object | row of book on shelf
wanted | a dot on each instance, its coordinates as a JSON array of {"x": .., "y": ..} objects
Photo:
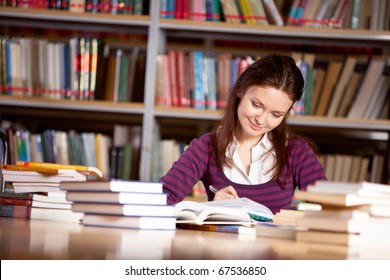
[
  {"x": 80, "y": 68},
  {"x": 354, "y": 14},
  {"x": 133, "y": 7},
  {"x": 117, "y": 155},
  {"x": 345, "y": 214},
  {"x": 354, "y": 168},
  {"x": 352, "y": 87}
]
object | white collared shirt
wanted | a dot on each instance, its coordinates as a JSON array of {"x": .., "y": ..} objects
[{"x": 258, "y": 171}]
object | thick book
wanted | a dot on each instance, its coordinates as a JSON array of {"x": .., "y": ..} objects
[
  {"x": 125, "y": 210},
  {"x": 63, "y": 215},
  {"x": 46, "y": 167},
  {"x": 160, "y": 223},
  {"x": 344, "y": 238},
  {"x": 52, "y": 197},
  {"x": 353, "y": 225},
  {"x": 238, "y": 229},
  {"x": 339, "y": 199},
  {"x": 15, "y": 201},
  {"x": 20, "y": 175},
  {"x": 51, "y": 205},
  {"x": 114, "y": 186},
  {"x": 237, "y": 211},
  {"x": 118, "y": 197},
  {"x": 376, "y": 210},
  {"x": 35, "y": 187},
  {"x": 15, "y": 211},
  {"x": 271, "y": 230},
  {"x": 364, "y": 188}
]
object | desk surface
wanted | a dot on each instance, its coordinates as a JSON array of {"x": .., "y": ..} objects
[{"x": 40, "y": 239}]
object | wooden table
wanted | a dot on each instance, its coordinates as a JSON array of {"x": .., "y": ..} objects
[{"x": 41, "y": 239}]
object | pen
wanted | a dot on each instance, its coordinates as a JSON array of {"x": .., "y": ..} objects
[{"x": 213, "y": 189}]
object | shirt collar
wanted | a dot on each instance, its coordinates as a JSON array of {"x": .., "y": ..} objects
[{"x": 264, "y": 144}]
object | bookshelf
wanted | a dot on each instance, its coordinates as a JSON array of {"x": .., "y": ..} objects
[{"x": 161, "y": 35}]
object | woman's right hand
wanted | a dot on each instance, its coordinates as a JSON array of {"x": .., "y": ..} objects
[{"x": 226, "y": 193}]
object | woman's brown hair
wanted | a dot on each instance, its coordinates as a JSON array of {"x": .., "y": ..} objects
[{"x": 276, "y": 71}]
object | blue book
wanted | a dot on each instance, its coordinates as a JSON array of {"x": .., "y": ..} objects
[
  {"x": 8, "y": 67},
  {"x": 67, "y": 71},
  {"x": 199, "y": 95}
]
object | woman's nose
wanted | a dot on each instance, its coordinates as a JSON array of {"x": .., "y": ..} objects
[{"x": 260, "y": 118}]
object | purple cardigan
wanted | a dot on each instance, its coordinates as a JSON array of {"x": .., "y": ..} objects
[{"x": 197, "y": 163}]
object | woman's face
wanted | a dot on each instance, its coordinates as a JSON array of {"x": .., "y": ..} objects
[{"x": 260, "y": 110}]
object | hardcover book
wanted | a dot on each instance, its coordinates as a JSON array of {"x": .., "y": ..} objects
[
  {"x": 118, "y": 197},
  {"x": 144, "y": 222},
  {"x": 125, "y": 209},
  {"x": 114, "y": 186}
]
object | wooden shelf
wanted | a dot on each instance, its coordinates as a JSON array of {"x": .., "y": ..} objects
[
  {"x": 360, "y": 124},
  {"x": 360, "y": 35},
  {"x": 58, "y": 15},
  {"x": 75, "y": 105}
]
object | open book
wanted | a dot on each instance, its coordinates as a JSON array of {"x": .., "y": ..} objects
[{"x": 236, "y": 211}]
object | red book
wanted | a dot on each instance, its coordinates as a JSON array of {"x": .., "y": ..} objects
[{"x": 15, "y": 201}]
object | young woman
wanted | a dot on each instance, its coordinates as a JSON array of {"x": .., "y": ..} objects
[{"x": 251, "y": 153}]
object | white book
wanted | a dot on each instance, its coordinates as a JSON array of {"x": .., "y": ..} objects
[
  {"x": 166, "y": 223},
  {"x": 113, "y": 186},
  {"x": 50, "y": 205},
  {"x": 118, "y": 197},
  {"x": 59, "y": 198},
  {"x": 125, "y": 209},
  {"x": 361, "y": 188},
  {"x": 39, "y": 177},
  {"x": 35, "y": 187},
  {"x": 63, "y": 215}
]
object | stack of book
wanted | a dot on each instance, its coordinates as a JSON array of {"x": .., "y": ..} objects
[
  {"x": 352, "y": 214},
  {"x": 124, "y": 204},
  {"x": 32, "y": 190}
]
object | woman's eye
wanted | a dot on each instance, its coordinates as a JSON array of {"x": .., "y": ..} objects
[{"x": 256, "y": 105}]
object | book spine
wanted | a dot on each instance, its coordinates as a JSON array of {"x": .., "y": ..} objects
[
  {"x": 15, "y": 201},
  {"x": 15, "y": 211},
  {"x": 198, "y": 98}
]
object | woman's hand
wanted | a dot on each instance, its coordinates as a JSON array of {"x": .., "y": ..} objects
[{"x": 226, "y": 193}]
